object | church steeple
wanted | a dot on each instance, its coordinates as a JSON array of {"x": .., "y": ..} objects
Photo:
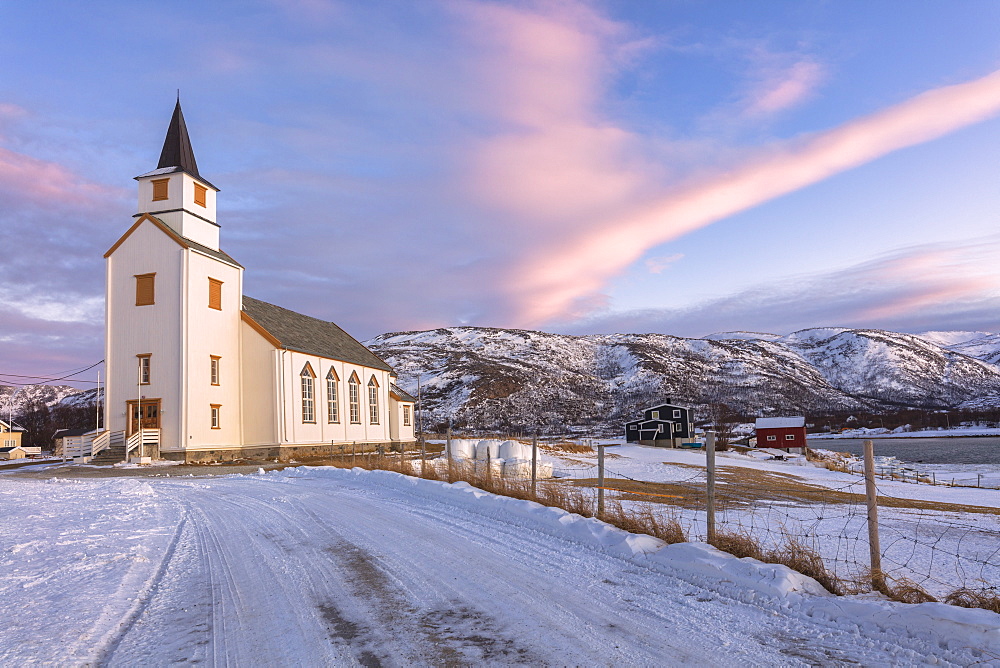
[
  {"x": 177, "y": 151},
  {"x": 175, "y": 192}
]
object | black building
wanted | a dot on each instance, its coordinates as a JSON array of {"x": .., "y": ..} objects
[{"x": 663, "y": 422}]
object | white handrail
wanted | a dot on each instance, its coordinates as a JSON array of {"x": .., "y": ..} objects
[
  {"x": 100, "y": 442},
  {"x": 144, "y": 437}
]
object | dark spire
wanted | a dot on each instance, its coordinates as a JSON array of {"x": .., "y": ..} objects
[{"x": 177, "y": 151}]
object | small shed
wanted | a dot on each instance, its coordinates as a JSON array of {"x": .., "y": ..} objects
[
  {"x": 15, "y": 452},
  {"x": 787, "y": 433}
]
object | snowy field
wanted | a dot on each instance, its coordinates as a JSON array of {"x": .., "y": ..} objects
[
  {"x": 938, "y": 546},
  {"x": 323, "y": 566}
]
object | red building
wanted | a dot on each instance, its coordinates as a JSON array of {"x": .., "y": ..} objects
[{"x": 782, "y": 432}]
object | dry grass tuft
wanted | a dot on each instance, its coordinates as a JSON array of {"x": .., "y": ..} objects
[
  {"x": 645, "y": 521},
  {"x": 566, "y": 446},
  {"x": 429, "y": 471},
  {"x": 905, "y": 590},
  {"x": 987, "y": 598},
  {"x": 738, "y": 544},
  {"x": 807, "y": 561},
  {"x": 568, "y": 498}
]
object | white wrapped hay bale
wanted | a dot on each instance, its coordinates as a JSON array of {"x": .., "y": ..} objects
[
  {"x": 517, "y": 468},
  {"x": 493, "y": 467},
  {"x": 496, "y": 467},
  {"x": 488, "y": 448},
  {"x": 462, "y": 448},
  {"x": 514, "y": 450},
  {"x": 521, "y": 468}
]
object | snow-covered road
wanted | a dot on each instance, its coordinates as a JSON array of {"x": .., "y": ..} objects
[{"x": 331, "y": 567}]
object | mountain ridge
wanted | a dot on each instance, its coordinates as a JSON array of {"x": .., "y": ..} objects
[{"x": 493, "y": 378}]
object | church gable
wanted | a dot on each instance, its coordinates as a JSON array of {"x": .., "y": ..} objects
[{"x": 176, "y": 238}]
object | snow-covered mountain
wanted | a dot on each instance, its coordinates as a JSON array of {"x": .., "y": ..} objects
[
  {"x": 29, "y": 395},
  {"x": 510, "y": 379},
  {"x": 981, "y": 345}
]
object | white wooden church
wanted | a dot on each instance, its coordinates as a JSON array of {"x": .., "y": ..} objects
[{"x": 196, "y": 371}]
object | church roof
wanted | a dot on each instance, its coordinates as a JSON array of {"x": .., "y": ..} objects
[
  {"x": 311, "y": 336},
  {"x": 177, "y": 154},
  {"x": 402, "y": 394}
]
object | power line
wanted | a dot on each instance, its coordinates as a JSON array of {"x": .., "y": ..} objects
[{"x": 79, "y": 380}]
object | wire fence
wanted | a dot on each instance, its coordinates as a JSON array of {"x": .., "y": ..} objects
[
  {"x": 938, "y": 546},
  {"x": 932, "y": 548}
]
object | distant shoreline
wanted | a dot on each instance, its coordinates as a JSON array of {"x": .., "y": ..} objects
[{"x": 914, "y": 435}]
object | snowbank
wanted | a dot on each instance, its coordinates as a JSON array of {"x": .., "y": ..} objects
[{"x": 746, "y": 580}]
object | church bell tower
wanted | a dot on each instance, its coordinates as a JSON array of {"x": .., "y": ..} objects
[{"x": 176, "y": 193}]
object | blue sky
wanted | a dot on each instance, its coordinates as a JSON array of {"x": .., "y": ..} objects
[{"x": 679, "y": 167}]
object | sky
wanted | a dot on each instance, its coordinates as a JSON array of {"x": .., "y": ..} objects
[{"x": 572, "y": 166}]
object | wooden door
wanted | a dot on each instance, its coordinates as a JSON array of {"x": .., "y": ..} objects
[{"x": 146, "y": 418}]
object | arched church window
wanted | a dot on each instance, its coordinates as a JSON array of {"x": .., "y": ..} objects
[
  {"x": 308, "y": 394},
  {"x": 332, "y": 398},
  {"x": 354, "y": 397},
  {"x": 373, "y": 401}
]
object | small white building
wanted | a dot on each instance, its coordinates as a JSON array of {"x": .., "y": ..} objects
[
  {"x": 199, "y": 372},
  {"x": 12, "y": 452}
]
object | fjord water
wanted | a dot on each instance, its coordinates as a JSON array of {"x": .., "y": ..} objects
[{"x": 957, "y": 450}]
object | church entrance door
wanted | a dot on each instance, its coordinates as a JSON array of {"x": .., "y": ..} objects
[{"x": 144, "y": 414}]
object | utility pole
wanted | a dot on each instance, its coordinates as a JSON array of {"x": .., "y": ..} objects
[{"x": 420, "y": 409}]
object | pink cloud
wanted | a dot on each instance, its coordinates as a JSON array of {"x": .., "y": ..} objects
[
  {"x": 784, "y": 90},
  {"x": 657, "y": 265},
  {"x": 540, "y": 73},
  {"x": 43, "y": 183},
  {"x": 909, "y": 290},
  {"x": 549, "y": 281}
]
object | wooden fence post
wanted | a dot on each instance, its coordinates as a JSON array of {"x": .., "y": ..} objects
[
  {"x": 447, "y": 451},
  {"x": 600, "y": 481},
  {"x": 489, "y": 469},
  {"x": 710, "y": 486},
  {"x": 534, "y": 466},
  {"x": 423, "y": 456},
  {"x": 871, "y": 492}
]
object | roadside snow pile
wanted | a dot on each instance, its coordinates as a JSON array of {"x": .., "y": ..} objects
[
  {"x": 77, "y": 558},
  {"x": 746, "y": 580},
  {"x": 508, "y": 458}
]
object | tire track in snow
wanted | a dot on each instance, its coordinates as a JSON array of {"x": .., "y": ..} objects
[
  {"x": 358, "y": 572},
  {"x": 758, "y": 630},
  {"x": 106, "y": 648}
]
